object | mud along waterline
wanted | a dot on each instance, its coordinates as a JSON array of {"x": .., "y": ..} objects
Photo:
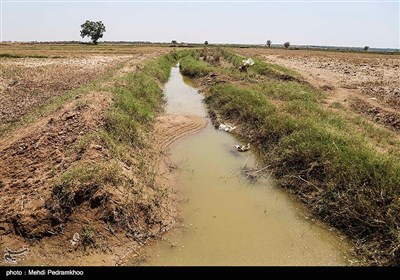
[{"x": 229, "y": 220}]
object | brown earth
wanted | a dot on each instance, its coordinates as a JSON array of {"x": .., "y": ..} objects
[
  {"x": 365, "y": 82},
  {"x": 113, "y": 218},
  {"x": 170, "y": 128},
  {"x": 114, "y": 248},
  {"x": 28, "y": 83}
]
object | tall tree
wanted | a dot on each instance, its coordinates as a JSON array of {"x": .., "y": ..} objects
[
  {"x": 93, "y": 29},
  {"x": 269, "y": 43}
]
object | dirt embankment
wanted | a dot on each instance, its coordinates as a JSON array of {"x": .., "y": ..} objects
[
  {"x": 27, "y": 191},
  {"x": 341, "y": 166},
  {"x": 367, "y": 83},
  {"x": 29, "y": 166},
  {"x": 45, "y": 202}
]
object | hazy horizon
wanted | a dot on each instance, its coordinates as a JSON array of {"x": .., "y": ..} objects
[{"x": 324, "y": 23}]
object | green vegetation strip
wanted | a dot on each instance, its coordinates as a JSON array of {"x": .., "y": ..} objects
[
  {"x": 9, "y": 55},
  {"x": 137, "y": 100},
  {"x": 326, "y": 156}
]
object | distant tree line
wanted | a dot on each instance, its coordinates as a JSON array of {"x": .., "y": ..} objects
[
  {"x": 286, "y": 45},
  {"x": 95, "y": 30}
]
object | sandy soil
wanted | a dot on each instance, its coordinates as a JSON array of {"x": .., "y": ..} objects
[
  {"x": 170, "y": 128},
  {"x": 368, "y": 83}
]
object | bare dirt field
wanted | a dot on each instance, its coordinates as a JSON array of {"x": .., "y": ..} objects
[
  {"x": 27, "y": 83},
  {"x": 366, "y": 82},
  {"x": 30, "y": 79}
]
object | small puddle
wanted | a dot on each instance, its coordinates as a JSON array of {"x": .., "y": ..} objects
[{"x": 229, "y": 220}]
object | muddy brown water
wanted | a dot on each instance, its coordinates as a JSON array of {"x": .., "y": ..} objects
[{"x": 229, "y": 220}]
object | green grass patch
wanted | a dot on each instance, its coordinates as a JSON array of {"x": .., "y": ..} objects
[
  {"x": 89, "y": 174},
  {"x": 137, "y": 99},
  {"x": 160, "y": 68},
  {"x": 269, "y": 69},
  {"x": 289, "y": 91},
  {"x": 193, "y": 67},
  {"x": 231, "y": 57},
  {"x": 260, "y": 67},
  {"x": 10, "y": 55}
]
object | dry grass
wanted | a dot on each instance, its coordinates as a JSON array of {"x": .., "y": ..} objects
[{"x": 30, "y": 83}]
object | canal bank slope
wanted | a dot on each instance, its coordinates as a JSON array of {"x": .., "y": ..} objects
[{"x": 343, "y": 167}]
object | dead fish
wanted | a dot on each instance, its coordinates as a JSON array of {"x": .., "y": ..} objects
[
  {"x": 241, "y": 148},
  {"x": 226, "y": 128}
]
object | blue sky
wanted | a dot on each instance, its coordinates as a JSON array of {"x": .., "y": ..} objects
[{"x": 304, "y": 23}]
